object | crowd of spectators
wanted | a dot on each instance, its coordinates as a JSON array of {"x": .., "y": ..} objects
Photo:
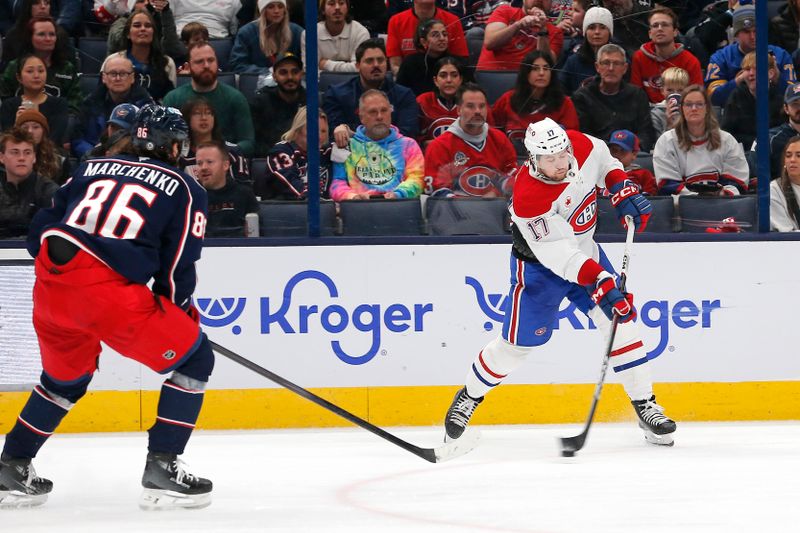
[{"x": 430, "y": 96}]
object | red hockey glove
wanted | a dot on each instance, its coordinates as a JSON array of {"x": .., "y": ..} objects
[{"x": 611, "y": 300}]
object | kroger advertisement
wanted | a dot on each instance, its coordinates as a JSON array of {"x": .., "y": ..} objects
[
  {"x": 352, "y": 316},
  {"x": 417, "y": 315}
]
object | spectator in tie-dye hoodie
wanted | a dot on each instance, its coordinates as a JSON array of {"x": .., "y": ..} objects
[{"x": 381, "y": 161}]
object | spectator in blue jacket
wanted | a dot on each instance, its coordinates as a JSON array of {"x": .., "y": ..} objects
[
  {"x": 341, "y": 101},
  {"x": 258, "y": 43},
  {"x": 724, "y": 69},
  {"x": 116, "y": 87}
]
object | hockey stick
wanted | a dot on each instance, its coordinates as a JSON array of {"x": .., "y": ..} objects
[
  {"x": 570, "y": 445},
  {"x": 435, "y": 455}
]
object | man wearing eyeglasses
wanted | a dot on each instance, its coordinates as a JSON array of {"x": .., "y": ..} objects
[
  {"x": 116, "y": 87},
  {"x": 661, "y": 53},
  {"x": 607, "y": 103}
]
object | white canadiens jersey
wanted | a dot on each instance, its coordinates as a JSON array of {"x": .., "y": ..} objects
[{"x": 557, "y": 219}]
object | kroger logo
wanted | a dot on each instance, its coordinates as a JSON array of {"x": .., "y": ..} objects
[
  {"x": 289, "y": 317},
  {"x": 655, "y": 314}
]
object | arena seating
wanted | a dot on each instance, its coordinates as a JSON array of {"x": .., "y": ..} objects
[{"x": 467, "y": 216}]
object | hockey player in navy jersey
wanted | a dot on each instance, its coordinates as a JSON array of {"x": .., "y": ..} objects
[
  {"x": 554, "y": 256},
  {"x": 115, "y": 225}
]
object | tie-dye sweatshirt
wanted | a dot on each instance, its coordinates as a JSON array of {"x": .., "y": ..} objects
[{"x": 393, "y": 164}]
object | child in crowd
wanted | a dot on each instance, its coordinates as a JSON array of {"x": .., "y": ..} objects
[
  {"x": 624, "y": 145},
  {"x": 665, "y": 113},
  {"x": 192, "y": 33}
]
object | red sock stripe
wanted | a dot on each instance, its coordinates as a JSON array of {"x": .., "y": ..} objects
[
  {"x": 33, "y": 428},
  {"x": 174, "y": 422},
  {"x": 487, "y": 369},
  {"x": 43, "y": 393},
  {"x": 626, "y": 349},
  {"x": 514, "y": 323}
]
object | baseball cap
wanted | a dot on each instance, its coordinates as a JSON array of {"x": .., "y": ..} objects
[
  {"x": 123, "y": 116},
  {"x": 626, "y": 139},
  {"x": 792, "y": 93},
  {"x": 744, "y": 18},
  {"x": 288, "y": 56}
]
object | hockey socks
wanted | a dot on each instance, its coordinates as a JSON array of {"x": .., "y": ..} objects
[
  {"x": 38, "y": 420},
  {"x": 178, "y": 408},
  {"x": 496, "y": 361}
]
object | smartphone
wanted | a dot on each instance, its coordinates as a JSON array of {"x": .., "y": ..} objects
[
  {"x": 674, "y": 97},
  {"x": 27, "y": 104}
]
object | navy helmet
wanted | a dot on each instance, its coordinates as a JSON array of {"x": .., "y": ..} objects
[{"x": 156, "y": 128}]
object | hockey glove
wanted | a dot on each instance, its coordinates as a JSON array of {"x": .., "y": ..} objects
[
  {"x": 611, "y": 300},
  {"x": 627, "y": 200}
]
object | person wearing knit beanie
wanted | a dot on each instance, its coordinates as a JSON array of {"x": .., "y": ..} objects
[
  {"x": 744, "y": 18},
  {"x": 264, "y": 3},
  {"x": 32, "y": 115},
  {"x": 598, "y": 15}
]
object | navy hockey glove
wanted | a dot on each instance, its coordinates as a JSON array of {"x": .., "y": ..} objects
[
  {"x": 193, "y": 313},
  {"x": 611, "y": 300},
  {"x": 627, "y": 200}
]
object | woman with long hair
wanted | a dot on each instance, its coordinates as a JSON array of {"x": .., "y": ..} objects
[
  {"x": 784, "y": 212},
  {"x": 536, "y": 95},
  {"x": 598, "y": 29},
  {"x": 17, "y": 35},
  {"x": 203, "y": 127},
  {"x": 437, "y": 108},
  {"x": 287, "y": 163},
  {"x": 31, "y": 75},
  {"x": 41, "y": 39},
  {"x": 154, "y": 69},
  {"x": 431, "y": 41},
  {"x": 696, "y": 156},
  {"x": 50, "y": 162},
  {"x": 260, "y": 42}
]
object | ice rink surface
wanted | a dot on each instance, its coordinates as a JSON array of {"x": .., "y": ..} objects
[{"x": 719, "y": 477}]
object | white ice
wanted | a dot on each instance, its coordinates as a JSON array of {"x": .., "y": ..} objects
[{"x": 719, "y": 477}]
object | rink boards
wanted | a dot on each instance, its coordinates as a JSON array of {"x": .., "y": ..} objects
[{"x": 389, "y": 332}]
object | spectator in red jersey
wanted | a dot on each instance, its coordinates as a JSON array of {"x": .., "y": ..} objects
[
  {"x": 660, "y": 53},
  {"x": 400, "y": 38},
  {"x": 624, "y": 145},
  {"x": 417, "y": 70},
  {"x": 438, "y": 108},
  {"x": 512, "y": 32},
  {"x": 537, "y": 94},
  {"x": 470, "y": 158}
]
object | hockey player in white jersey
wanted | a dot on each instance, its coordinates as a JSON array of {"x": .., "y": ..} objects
[{"x": 554, "y": 213}]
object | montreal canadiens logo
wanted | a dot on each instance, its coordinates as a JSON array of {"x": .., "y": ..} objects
[
  {"x": 477, "y": 181},
  {"x": 585, "y": 215},
  {"x": 440, "y": 126}
]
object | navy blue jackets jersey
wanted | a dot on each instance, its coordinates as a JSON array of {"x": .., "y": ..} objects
[
  {"x": 286, "y": 177},
  {"x": 141, "y": 217}
]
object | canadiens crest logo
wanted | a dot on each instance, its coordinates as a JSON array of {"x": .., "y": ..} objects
[
  {"x": 460, "y": 159},
  {"x": 440, "y": 126},
  {"x": 541, "y": 331},
  {"x": 477, "y": 181},
  {"x": 585, "y": 215}
]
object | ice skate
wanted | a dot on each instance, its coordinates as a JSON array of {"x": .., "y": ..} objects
[
  {"x": 168, "y": 486},
  {"x": 19, "y": 484},
  {"x": 657, "y": 427},
  {"x": 459, "y": 413}
]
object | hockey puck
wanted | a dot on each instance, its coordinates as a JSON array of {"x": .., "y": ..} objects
[{"x": 567, "y": 453}]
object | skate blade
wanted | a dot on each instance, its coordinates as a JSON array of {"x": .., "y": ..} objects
[
  {"x": 19, "y": 500},
  {"x": 165, "y": 500},
  {"x": 453, "y": 448},
  {"x": 658, "y": 440}
]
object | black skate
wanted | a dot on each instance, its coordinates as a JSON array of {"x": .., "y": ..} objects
[
  {"x": 457, "y": 418},
  {"x": 657, "y": 427},
  {"x": 19, "y": 484},
  {"x": 168, "y": 486}
]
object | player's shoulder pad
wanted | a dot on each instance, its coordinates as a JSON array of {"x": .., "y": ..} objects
[
  {"x": 533, "y": 197},
  {"x": 582, "y": 145}
]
